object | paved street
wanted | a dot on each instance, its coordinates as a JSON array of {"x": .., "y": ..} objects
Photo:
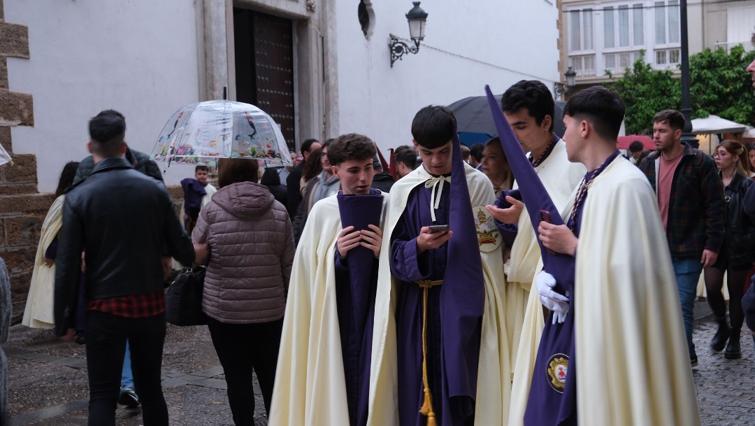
[{"x": 48, "y": 380}]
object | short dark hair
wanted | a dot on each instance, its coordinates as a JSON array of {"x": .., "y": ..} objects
[
  {"x": 406, "y": 155},
  {"x": 203, "y": 167},
  {"x": 530, "y": 94},
  {"x": 307, "y": 145},
  {"x": 107, "y": 131},
  {"x": 234, "y": 170},
  {"x": 433, "y": 126},
  {"x": 476, "y": 151},
  {"x": 66, "y": 177},
  {"x": 351, "y": 146},
  {"x": 636, "y": 146},
  {"x": 601, "y": 107},
  {"x": 674, "y": 118}
]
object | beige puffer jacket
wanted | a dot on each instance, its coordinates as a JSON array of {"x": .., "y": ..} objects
[{"x": 251, "y": 248}]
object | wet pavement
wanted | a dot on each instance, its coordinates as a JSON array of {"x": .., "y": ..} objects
[{"x": 48, "y": 383}]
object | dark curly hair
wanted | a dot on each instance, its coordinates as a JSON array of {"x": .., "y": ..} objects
[{"x": 351, "y": 146}]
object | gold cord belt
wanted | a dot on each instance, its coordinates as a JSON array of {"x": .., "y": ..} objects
[{"x": 427, "y": 403}]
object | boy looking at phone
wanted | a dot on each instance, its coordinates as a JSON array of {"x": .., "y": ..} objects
[{"x": 438, "y": 306}]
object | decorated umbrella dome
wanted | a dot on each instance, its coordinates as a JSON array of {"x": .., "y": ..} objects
[
  {"x": 4, "y": 156},
  {"x": 210, "y": 130}
]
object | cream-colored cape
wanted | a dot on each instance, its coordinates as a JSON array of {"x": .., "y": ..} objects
[
  {"x": 38, "y": 312},
  {"x": 310, "y": 387},
  {"x": 493, "y": 379},
  {"x": 524, "y": 315},
  {"x": 632, "y": 360}
]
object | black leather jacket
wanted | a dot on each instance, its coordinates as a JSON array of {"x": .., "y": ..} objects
[
  {"x": 739, "y": 237},
  {"x": 124, "y": 223}
]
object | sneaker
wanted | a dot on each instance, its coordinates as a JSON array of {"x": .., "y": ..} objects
[{"x": 128, "y": 398}]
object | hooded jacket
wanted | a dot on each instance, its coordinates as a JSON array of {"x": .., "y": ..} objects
[{"x": 251, "y": 246}]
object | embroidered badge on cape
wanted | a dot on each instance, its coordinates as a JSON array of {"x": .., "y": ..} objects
[
  {"x": 488, "y": 236},
  {"x": 558, "y": 367}
]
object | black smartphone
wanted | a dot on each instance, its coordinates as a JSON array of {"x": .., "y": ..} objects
[{"x": 438, "y": 228}]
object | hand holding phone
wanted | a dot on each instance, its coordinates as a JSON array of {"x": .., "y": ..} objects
[{"x": 434, "y": 229}]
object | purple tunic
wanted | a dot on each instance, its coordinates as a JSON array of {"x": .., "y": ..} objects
[
  {"x": 408, "y": 267},
  {"x": 356, "y": 283}
]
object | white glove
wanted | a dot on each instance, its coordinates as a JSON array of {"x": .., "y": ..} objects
[{"x": 554, "y": 301}]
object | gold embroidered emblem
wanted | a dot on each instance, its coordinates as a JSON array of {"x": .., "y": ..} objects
[
  {"x": 488, "y": 236},
  {"x": 558, "y": 367}
]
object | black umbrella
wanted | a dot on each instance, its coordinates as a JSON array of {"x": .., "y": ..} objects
[{"x": 473, "y": 117}]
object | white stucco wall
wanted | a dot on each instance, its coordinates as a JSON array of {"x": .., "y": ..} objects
[
  {"x": 136, "y": 56},
  {"x": 468, "y": 44}
]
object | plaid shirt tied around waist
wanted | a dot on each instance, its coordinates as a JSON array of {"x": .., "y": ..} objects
[{"x": 131, "y": 306}]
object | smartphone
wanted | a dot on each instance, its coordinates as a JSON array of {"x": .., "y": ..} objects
[
  {"x": 438, "y": 228},
  {"x": 545, "y": 216}
]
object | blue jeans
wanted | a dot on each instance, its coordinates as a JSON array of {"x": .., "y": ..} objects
[
  {"x": 687, "y": 273},
  {"x": 127, "y": 377}
]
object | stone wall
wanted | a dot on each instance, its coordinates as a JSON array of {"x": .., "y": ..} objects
[{"x": 22, "y": 209}]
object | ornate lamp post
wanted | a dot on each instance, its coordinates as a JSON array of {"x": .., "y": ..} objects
[{"x": 417, "y": 19}]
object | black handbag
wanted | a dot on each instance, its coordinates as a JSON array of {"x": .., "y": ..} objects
[{"x": 183, "y": 298}]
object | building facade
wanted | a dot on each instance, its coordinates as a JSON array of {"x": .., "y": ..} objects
[
  {"x": 320, "y": 68},
  {"x": 601, "y": 39}
]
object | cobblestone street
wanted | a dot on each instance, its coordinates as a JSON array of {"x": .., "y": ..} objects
[{"x": 47, "y": 382}]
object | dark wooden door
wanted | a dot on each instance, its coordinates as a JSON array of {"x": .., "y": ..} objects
[{"x": 265, "y": 66}]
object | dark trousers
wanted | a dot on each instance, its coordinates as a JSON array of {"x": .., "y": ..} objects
[
  {"x": 106, "y": 337},
  {"x": 243, "y": 348},
  {"x": 714, "y": 281}
]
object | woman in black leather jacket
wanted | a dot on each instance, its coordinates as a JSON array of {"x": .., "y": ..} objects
[{"x": 736, "y": 255}]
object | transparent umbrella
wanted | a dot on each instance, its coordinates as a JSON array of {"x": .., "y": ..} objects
[
  {"x": 4, "y": 156},
  {"x": 210, "y": 130}
]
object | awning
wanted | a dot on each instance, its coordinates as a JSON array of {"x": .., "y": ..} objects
[{"x": 716, "y": 124}]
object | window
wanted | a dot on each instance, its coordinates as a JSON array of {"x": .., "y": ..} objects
[
  {"x": 610, "y": 59},
  {"x": 637, "y": 26},
  {"x": 623, "y": 26},
  {"x": 673, "y": 56},
  {"x": 667, "y": 28},
  {"x": 660, "y": 57},
  {"x": 673, "y": 21},
  {"x": 608, "y": 27},
  {"x": 583, "y": 65},
  {"x": 587, "y": 25},
  {"x": 366, "y": 16},
  {"x": 660, "y": 22},
  {"x": 580, "y": 30},
  {"x": 575, "y": 37}
]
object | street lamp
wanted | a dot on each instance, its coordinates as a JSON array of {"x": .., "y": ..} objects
[
  {"x": 417, "y": 19},
  {"x": 571, "y": 77},
  {"x": 686, "y": 110}
]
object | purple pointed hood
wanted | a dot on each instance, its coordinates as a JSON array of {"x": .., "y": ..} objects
[
  {"x": 533, "y": 191},
  {"x": 463, "y": 294}
]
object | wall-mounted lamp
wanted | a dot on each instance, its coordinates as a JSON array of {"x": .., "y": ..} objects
[
  {"x": 570, "y": 76},
  {"x": 398, "y": 47}
]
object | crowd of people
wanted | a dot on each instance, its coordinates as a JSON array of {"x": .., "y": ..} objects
[{"x": 436, "y": 288}]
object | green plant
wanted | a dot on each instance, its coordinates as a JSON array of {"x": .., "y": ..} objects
[{"x": 719, "y": 85}]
